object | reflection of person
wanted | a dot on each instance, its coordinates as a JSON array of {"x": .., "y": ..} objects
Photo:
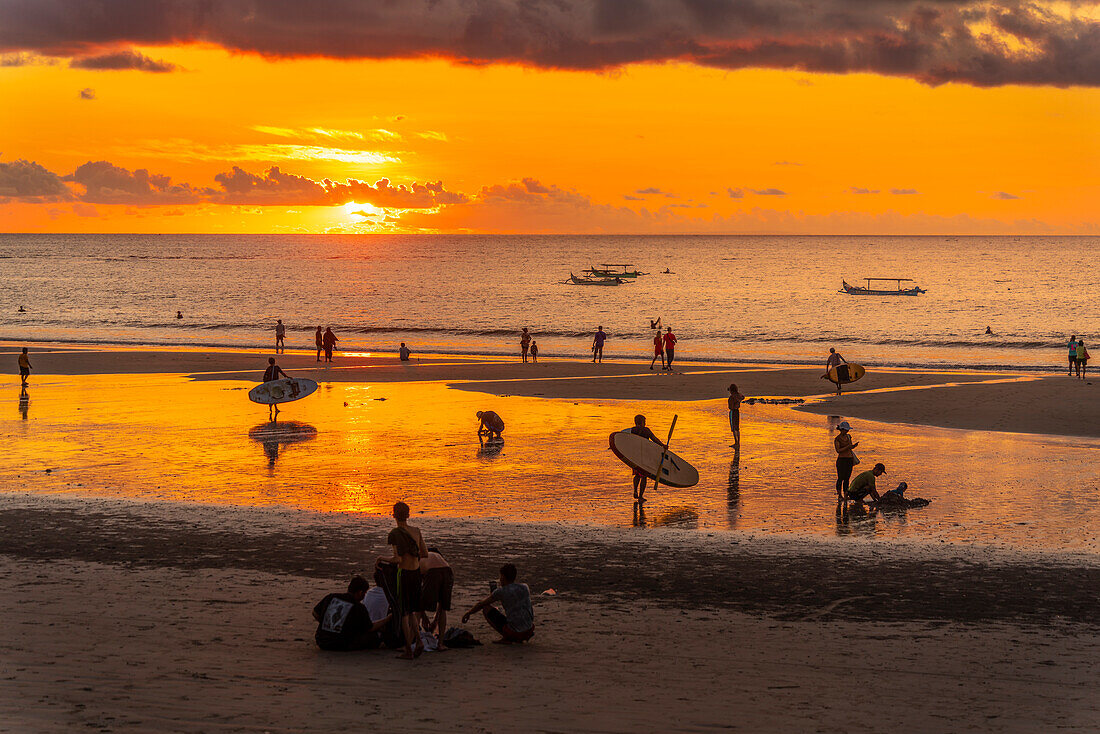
[
  {"x": 273, "y": 371},
  {"x": 670, "y": 347},
  {"x": 597, "y": 344},
  {"x": 524, "y": 343},
  {"x": 343, "y": 622},
  {"x": 280, "y": 335},
  {"x": 517, "y": 623},
  {"x": 407, "y": 545},
  {"x": 841, "y": 364},
  {"x": 404, "y": 352},
  {"x": 328, "y": 341},
  {"x": 24, "y": 368},
  {"x": 864, "y": 484},
  {"x": 639, "y": 429},
  {"x": 734, "y": 404},
  {"x": 319, "y": 338},
  {"x": 490, "y": 424},
  {"x": 845, "y": 458}
]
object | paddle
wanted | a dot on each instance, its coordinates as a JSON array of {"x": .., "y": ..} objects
[{"x": 661, "y": 463}]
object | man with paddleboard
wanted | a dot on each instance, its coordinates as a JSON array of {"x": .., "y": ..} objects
[
  {"x": 639, "y": 429},
  {"x": 273, "y": 371},
  {"x": 841, "y": 364}
]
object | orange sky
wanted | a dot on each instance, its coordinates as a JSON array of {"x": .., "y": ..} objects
[{"x": 717, "y": 151}]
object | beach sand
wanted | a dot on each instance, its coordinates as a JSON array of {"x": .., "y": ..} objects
[{"x": 126, "y": 614}]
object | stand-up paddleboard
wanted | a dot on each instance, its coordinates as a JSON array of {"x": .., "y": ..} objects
[
  {"x": 285, "y": 390},
  {"x": 648, "y": 457},
  {"x": 855, "y": 371}
]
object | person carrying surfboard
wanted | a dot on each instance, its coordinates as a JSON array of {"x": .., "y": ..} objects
[
  {"x": 273, "y": 371},
  {"x": 841, "y": 364},
  {"x": 639, "y": 429}
]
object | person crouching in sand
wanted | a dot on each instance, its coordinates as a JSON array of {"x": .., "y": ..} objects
[
  {"x": 407, "y": 546},
  {"x": 517, "y": 623},
  {"x": 864, "y": 484},
  {"x": 640, "y": 479}
]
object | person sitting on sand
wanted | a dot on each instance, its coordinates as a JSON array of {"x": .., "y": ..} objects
[
  {"x": 534, "y": 351},
  {"x": 439, "y": 582},
  {"x": 404, "y": 352},
  {"x": 734, "y": 403},
  {"x": 407, "y": 546},
  {"x": 343, "y": 622},
  {"x": 24, "y": 368},
  {"x": 639, "y": 429},
  {"x": 273, "y": 371},
  {"x": 517, "y": 623},
  {"x": 864, "y": 484},
  {"x": 490, "y": 425},
  {"x": 841, "y": 364}
]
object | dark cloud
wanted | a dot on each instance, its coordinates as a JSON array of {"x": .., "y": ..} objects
[
  {"x": 904, "y": 192},
  {"x": 106, "y": 183},
  {"x": 87, "y": 93},
  {"x": 29, "y": 182},
  {"x": 429, "y": 195},
  {"x": 982, "y": 42},
  {"x": 628, "y": 197},
  {"x": 786, "y": 163},
  {"x": 650, "y": 190},
  {"x": 125, "y": 59},
  {"x": 736, "y": 193},
  {"x": 859, "y": 190},
  {"x": 275, "y": 186},
  {"x": 1005, "y": 196},
  {"x": 768, "y": 192}
]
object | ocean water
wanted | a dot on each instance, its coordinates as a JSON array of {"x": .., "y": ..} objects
[{"x": 747, "y": 298}]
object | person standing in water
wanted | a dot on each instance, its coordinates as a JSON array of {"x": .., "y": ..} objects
[
  {"x": 658, "y": 350},
  {"x": 734, "y": 402},
  {"x": 524, "y": 343},
  {"x": 639, "y": 429},
  {"x": 845, "y": 459},
  {"x": 24, "y": 368},
  {"x": 597, "y": 344},
  {"x": 319, "y": 338},
  {"x": 280, "y": 335},
  {"x": 328, "y": 341},
  {"x": 841, "y": 364},
  {"x": 1082, "y": 358},
  {"x": 490, "y": 425},
  {"x": 670, "y": 347}
]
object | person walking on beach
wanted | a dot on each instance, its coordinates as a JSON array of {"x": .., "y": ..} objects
[
  {"x": 670, "y": 347},
  {"x": 407, "y": 548},
  {"x": 658, "y": 351},
  {"x": 864, "y": 484},
  {"x": 735, "y": 400},
  {"x": 404, "y": 353},
  {"x": 490, "y": 425},
  {"x": 597, "y": 344},
  {"x": 319, "y": 338},
  {"x": 845, "y": 458},
  {"x": 639, "y": 429},
  {"x": 534, "y": 351},
  {"x": 280, "y": 335},
  {"x": 841, "y": 364},
  {"x": 1082, "y": 358},
  {"x": 524, "y": 343},
  {"x": 328, "y": 341},
  {"x": 517, "y": 623},
  {"x": 24, "y": 368}
]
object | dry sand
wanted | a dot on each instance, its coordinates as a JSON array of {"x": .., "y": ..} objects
[{"x": 130, "y": 617}]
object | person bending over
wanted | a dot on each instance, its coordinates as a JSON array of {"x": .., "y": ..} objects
[
  {"x": 517, "y": 623},
  {"x": 343, "y": 622},
  {"x": 490, "y": 425},
  {"x": 864, "y": 484}
]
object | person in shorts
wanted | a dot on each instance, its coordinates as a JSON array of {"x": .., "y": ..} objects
[
  {"x": 1082, "y": 358},
  {"x": 734, "y": 403},
  {"x": 490, "y": 425},
  {"x": 639, "y": 429},
  {"x": 658, "y": 351},
  {"x": 670, "y": 347},
  {"x": 24, "y": 368},
  {"x": 438, "y": 581},
  {"x": 1072, "y": 354},
  {"x": 516, "y": 624},
  {"x": 597, "y": 344},
  {"x": 280, "y": 336},
  {"x": 524, "y": 343},
  {"x": 841, "y": 364},
  {"x": 407, "y": 548}
]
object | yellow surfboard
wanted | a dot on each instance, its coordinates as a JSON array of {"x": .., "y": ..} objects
[{"x": 848, "y": 373}]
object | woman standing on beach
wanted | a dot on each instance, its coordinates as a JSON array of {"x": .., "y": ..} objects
[
  {"x": 658, "y": 351},
  {"x": 845, "y": 459},
  {"x": 735, "y": 415},
  {"x": 1082, "y": 358}
]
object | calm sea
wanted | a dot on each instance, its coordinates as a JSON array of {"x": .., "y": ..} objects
[{"x": 768, "y": 299}]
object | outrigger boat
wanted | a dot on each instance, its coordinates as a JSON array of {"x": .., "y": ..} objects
[
  {"x": 594, "y": 281},
  {"x": 605, "y": 271},
  {"x": 855, "y": 290}
]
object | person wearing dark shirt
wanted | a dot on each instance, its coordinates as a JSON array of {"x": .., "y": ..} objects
[
  {"x": 735, "y": 400},
  {"x": 319, "y": 338},
  {"x": 639, "y": 429},
  {"x": 517, "y": 623},
  {"x": 273, "y": 371},
  {"x": 404, "y": 352},
  {"x": 490, "y": 424},
  {"x": 328, "y": 341},
  {"x": 597, "y": 344},
  {"x": 343, "y": 623},
  {"x": 438, "y": 585},
  {"x": 669, "y": 340},
  {"x": 407, "y": 548},
  {"x": 524, "y": 343}
]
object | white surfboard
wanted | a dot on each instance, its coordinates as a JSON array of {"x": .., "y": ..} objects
[
  {"x": 285, "y": 390},
  {"x": 645, "y": 456}
]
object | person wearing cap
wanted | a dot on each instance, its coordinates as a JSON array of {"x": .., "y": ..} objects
[
  {"x": 845, "y": 458},
  {"x": 864, "y": 484},
  {"x": 490, "y": 424}
]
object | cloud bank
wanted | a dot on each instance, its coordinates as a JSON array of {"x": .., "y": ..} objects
[{"x": 980, "y": 42}]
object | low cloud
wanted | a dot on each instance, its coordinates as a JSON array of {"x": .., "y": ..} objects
[
  {"x": 859, "y": 190},
  {"x": 628, "y": 197},
  {"x": 29, "y": 182},
  {"x": 87, "y": 93},
  {"x": 106, "y": 183},
  {"x": 786, "y": 163},
  {"x": 1005, "y": 196},
  {"x": 649, "y": 191},
  {"x": 736, "y": 193},
  {"x": 769, "y": 192},
  {"x": 127, "y": 59},
  {"x": 904, "y": 192}
]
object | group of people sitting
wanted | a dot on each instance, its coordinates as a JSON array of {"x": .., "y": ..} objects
[{"x": 407, "y": 608}]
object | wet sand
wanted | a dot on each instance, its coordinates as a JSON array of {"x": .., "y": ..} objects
[{"x": 155, "y": 617}]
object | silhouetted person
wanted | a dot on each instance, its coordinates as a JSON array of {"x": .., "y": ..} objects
[
  {"x": 988, "y": 331},
  {"x": 1082, "y": 358},
  {"x": 524, "y": 343},
  {"x": 280, "y": 335},
  {"x": 670, "y": 348},
  {"x": 639, "y": 429},
  {"x": 273, "y": 371},
  {"x": 841, "y": 364},
  {"x": 490, "y": 425},
  {"x": 179, "y": 314},
  {"x": 517, "y": 623},
  {"x": 24, "y": 368},
  {"x": 864, "y": 484},
  {"x": 734, "y": 403},
  {"x": 408, "y": 548},
  {"x": 597, "y": 344},
  {"x": 1072, "y": 354},
  {"x": 328, "y": 341},
  {"x": 404, "y": 352},
  {"x": 658, "y": 350},
  {"x": 845, "y": 458},
  {"x": 319, "y": 338},
  {"x": 534, "y": 351}
]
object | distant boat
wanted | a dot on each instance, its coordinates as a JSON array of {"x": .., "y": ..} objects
[
  {"x": 594, "y": 281},
  {"x": 606, "y": 271},
  {"x": 855, "y": 290}
]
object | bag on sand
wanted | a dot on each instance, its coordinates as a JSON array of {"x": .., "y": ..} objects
[{"x": 456, "y": 637}]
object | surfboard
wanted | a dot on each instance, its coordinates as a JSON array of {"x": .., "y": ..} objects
[
  {"x": 855, "y": 371},
  {"x": 285, "y": 390},
  {"x": 643, "y": 455}
]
